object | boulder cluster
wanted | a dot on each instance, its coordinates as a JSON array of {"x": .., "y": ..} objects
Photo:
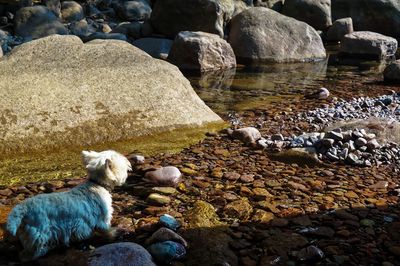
[{"x": 205, "y": 35}]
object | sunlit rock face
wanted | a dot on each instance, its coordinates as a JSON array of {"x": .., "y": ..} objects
[
  {"x": 262, "y": 35},
  {"x": 57, "y": 91}
]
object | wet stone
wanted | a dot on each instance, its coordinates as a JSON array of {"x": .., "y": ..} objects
[
  {"x": 262, "y": 216},
  {"x": 231, "y": 176},
  {"x": 248, "y": 178},
  {"x": 240, "y": 209},
  {"x": 262, "y": 193},
  {"x": 164, "y": 190},
  {"x": 6, "y": 192},
  {"x": 379, "y": 185},
  {"x": 157, "y": 199}
]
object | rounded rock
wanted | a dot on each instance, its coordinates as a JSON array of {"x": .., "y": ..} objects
[
  {"x": 167, "y": 251},
  {"x": 118, "y": 254},
  {"x": 164, "y": 176}
]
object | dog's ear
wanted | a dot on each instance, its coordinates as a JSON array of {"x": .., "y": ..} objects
[
  {"x": 87, "y": 156},
  {"x": 108, "y": 164}
]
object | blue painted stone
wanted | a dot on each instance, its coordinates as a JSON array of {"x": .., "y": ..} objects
[
  {"x": 167, "y": 251},
  {"x": 169, "y": 222}
]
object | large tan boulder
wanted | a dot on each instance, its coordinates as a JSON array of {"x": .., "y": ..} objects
[{"x": 57, "y": 91}]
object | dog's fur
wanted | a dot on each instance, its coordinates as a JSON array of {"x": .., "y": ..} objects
[{"x": 47, "y": 221}]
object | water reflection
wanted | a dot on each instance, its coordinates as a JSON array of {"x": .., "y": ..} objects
[{"x": 254, "y": 85}]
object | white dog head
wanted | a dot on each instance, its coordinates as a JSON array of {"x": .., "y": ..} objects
[{"x": 106, "y": 167}]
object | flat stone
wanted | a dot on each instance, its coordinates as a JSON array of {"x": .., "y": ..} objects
[
  {"x": 368, "y": 44},
  {"x": 240, "y": 209},
  {"x": 157, "y": 199},
  {"x": 164, "y": 190}
]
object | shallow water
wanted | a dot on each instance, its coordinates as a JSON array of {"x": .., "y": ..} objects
[
  {"x": 66, "y": 163},
  {"x": 232, "y": 90},
  {"x": 254, "y": 86}
]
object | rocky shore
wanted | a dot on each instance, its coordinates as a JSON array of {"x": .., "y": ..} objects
[
  {"x": 306, "y": 180},
  {"x": 238, "y": 206}
]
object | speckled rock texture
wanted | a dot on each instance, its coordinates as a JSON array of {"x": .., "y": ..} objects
[
  {"x": 260, "y": 34},
  {"x": 58, "y": 91}
]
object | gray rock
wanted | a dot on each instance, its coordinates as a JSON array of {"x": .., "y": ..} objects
[
  {"x": 71, "y": 11},
  {"x": 79, "y": 28},
  {"x": 36, "y": 22},
  {"x": 327, "y": 142},
  {"x": 81, "y": 108},
  {"x": 119, "y": 254},
  {"x": 360, "y": 142},
  {"x": 165, "y": 234},
  {"x": 259, "y": 34},
  {"x": 382, "y": 16},
  {"x": 373, "y": 144},
  {"x": 132, "y": 29},
  {"x": 104, "y": 36},
  {"x": 316, "y": 13},
  {"x": 385, "y": 129},
  {"x": 278, "y": 137},
  {"x": 366, "y": 44},
  {"x": 167, "y": 251},
  {"x": 334, "y": 135},
  {"x": 352, "y": 159},
  {"x": 54, "y": 5},
  {"x": 339, "y": 28},
  {"x": 273, "y": 4},
  {"x": 332, "y": 156},
  {"x": 344, "y": 153},
  {"x": 201, "y": 51},
  {"x": 248, "y": 135},
  {"x": 166, "y": 176},
  {"x": 156, "y": 47},
  {"x": 169, "y": 17},
  {"x": 391, "y": 73},
  {"x": 135, "y": 10}
]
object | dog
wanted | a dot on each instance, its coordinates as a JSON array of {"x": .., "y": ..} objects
[{"x": 47, "y": 221}]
